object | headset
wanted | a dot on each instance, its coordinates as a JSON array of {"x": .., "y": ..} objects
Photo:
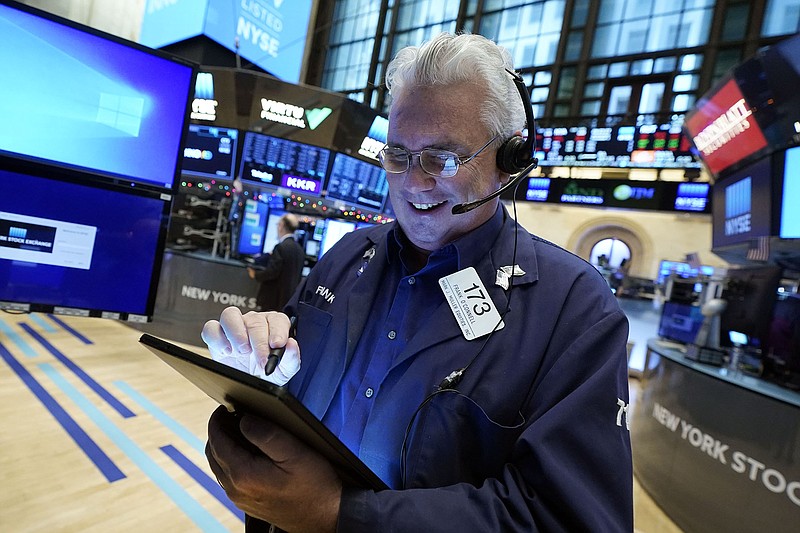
[{"x": 515, "y": 155}]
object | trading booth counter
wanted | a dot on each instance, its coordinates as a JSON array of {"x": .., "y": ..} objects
[
  {"x": 718, "y": 450},
  {"x": 194, "y": 288}
]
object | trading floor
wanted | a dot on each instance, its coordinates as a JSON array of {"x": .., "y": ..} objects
[{"x": 99, "y": 435}]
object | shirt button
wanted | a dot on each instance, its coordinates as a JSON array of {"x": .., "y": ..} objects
[
  {"x": 369, "y": 392},
  {"x": 412, "y": 280},
  {"x": 392, "y": 334}
]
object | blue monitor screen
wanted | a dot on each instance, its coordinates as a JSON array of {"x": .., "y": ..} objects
[
  {"x": 790, "y": 215},
  {"x": 210, "y": 152},
  {"x": 79, "y": 247},
  {"x": 83, "y": 100},
  {"x": 357, "y": 182},
  {"x": 680, "y": 322},
  {"x": 254, "y": 220},
  {"x": 682, "y": 270}
]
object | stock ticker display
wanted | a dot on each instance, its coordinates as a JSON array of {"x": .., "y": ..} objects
[{"x": 647, "y": 146}]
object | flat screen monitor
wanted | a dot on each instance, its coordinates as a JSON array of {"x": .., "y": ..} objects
[
  {"x": 680, "y": 322},
  {"x": 335, "y": 229},
  {"x": 357, "y": 183},
  {"x": 271, "y": 238},
  {"x": 681, "y": 270},
  {"x": 85, "y": 100},
  {"x": 790, "y": 214},
  {"x": 254, "y": 223},
  {"x": 209, "y": 152},
  {"x": 312, "y": 248},
  {"x": 750, "y": 294},
  {"x": 276, "y": 162},
  {"x": 784, "y": 333},
  {"x": 74, "y": 248}
]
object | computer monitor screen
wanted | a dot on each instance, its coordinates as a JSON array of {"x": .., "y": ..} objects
[
  {"x": 750, "y": 294},
  {"x": 254, "y": 223},
  {"x": 681, "y": 270},
  {"x": 283, "y": 163},
  {"x": 680, "y": 322},
  {"x": 85, "y": 100},
  {"x": 784, "y": 334},
  {"x": 312, "y": 248},
  {"x": 357, "y": 182},
  {"x": 209, "y": 152},
  {"x": 335, "y": 229},
  {"x": 271, "y": 238},
  {"x": 72, "y": 248}
]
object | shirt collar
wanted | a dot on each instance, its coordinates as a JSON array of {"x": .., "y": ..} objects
[{"x": 469, "y": 248}]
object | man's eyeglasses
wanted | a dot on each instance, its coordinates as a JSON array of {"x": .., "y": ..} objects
[{"x": 433, "y": 161}]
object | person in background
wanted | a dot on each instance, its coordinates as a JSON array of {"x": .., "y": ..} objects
[
  {"x": 283, "y": 269},
  {"x": 478, "y": 370}
]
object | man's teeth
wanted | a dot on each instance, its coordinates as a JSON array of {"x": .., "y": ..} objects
[{"x": 425, "y": 206}]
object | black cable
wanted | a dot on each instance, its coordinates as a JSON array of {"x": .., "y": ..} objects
[{"x": 450, "y": 383}]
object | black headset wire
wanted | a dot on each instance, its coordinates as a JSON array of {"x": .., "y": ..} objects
[{"x": 450, "y": 383}]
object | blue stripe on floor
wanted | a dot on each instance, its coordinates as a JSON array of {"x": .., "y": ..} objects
[
  {"x": 17, "y": 339},
  {"x": 190, "y": 438},
  {"x": 200, "y": 516},
  {"x": 45, "y": 325},
  {"x": 70, "y": 329},
  {"x": 78, "y": 371},
  {"x": 205, "y": 481},
  {"x": 82, "y": 439}
]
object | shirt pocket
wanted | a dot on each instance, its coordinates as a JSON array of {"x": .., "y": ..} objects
[
  {"x": 456, "y": 441},
  {"x": 311, "y": 330}
]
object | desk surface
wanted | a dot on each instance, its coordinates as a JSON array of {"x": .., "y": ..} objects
[{"x": 676, "y": 352}]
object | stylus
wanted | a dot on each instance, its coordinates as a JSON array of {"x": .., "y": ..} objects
[{"x": 275, "y": 354}]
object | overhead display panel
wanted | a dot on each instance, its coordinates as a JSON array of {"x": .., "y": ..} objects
[
  {"x": 270, "y": 34},
  {"x": 168, "y": 22},
  {"x": 648, "y": 146},
  {"x": 752, "y": 112},
  {"x": 277, "y": 162},
  {"x": 626, "y": 194},
  {"x": 724, "y": 130}
]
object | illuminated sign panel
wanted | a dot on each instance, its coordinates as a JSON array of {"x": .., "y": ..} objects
[
  {"x": 170, "y": 21},
  {"x": 742, "y": 205},
  {"x": 692, "y": 197},
  {"x": 724, "y": 130},
  {"x": 538, "y": 189},
  {"x": 268, "y": 33},
  {"x": 375, "y": 139},
  {"x": 204, "y": 105},
  {"x": 656, "y": 196}
]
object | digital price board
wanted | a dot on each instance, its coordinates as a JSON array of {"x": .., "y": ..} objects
[{"x": 646, "y": 146}]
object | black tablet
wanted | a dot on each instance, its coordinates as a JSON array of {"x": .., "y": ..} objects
[{"x": 241, "y": 392}]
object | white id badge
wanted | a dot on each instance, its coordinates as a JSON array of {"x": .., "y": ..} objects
[{"x": 470, "y": 303}]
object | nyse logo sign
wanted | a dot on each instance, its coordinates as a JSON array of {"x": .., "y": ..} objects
[{"x": 738, "y": 206}]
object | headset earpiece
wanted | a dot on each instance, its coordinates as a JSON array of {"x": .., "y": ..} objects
[
  {"x": 516, "y": 153},
  {"x": 513, "y": 155}
]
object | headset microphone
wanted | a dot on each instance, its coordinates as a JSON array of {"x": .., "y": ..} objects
[{"x": 515, "y": 156}]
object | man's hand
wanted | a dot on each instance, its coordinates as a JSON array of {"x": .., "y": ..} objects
[
  {"x": 244, "y": 341},
  {"x": 271, "y": 475}
]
